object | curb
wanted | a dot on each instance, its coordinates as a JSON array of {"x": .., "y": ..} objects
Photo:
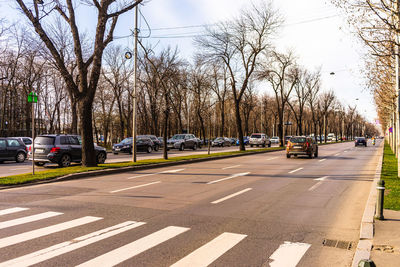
[
  {"x": 110, "y": 171},
  {"x": 363, "y": 250}
]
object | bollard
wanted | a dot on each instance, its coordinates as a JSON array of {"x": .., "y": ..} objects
[
  {"x": 379, "y": 203},
  {"x": 366, "y": 263}
]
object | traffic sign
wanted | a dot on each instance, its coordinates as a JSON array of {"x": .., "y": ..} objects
[{"x": 32, "y": 97}]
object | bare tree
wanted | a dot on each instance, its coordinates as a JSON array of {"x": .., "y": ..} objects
[
  {"x": 239, "y": 45},
  {"x": 89, "y": 67}
]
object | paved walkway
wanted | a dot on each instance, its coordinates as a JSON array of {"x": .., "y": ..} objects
[{"x": 386, "y": 243}]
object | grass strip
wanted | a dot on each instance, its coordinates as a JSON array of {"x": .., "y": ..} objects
[
  {"x": 58, "y": 172},
  {"x": 392, "y": 182}
]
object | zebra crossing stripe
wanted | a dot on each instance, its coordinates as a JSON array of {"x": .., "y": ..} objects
[
  {"x": 288, "y": 254},
  {"x": 211, "y": 251},
  {"x": 65, "y": 247},
  {"x": 130, "y": 250},
  {"x": 27, "y": 219},
  {"x": 11, "y": 210},
  {"x": 15, "y": 239}
]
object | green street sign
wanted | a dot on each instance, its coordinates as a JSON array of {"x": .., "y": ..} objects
[{"x": 32, "y": 97}]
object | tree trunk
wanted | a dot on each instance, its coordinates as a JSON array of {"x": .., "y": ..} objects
[
  {"x": 86, "y": 129},
  {"x": 239, "y": 125},
  {"x": 222, "y": 133}
]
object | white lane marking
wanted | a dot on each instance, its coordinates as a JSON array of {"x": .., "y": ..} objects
[
  {"x": 211, "y": 251},
  {"x": 321, "y": 160},
  {"x": 22, "y": 168},
  {"x": 133, "y": 187},
  {"x": 337, "y": 154},
  {"x": 296, "y": 170},
  {"x": 317, "y": 184},
  {"x": 150, "y": 174},
  {"x": 321, "y": 179},
  {"x": 15, "y": 239},
  {"x": 230, "y": 177},
  {"x": 12, "y": 210},
  {"x": 65, "y": 247},
  {"x": 172, "y": 171},
  {"x": 288, "y": 254},
  {"x": 230, "y": 167},
  {"x": 27, "y": 219},
  {"x": 231, "y": 196},
  {"x": 130, "y": 250},
  {"x": 143, "y": 175},
  {"x": 272, "y": 158}
]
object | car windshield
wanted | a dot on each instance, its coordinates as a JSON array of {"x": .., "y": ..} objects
[
  {"x": 255, "y": 136},
  {"x": 126, "y": 141},
  {"x": 275, "y": 137},
  {"x": 44, "y": 140},
  {"x": 297, "y": 139},
  {"x": 360, "y": 139},
  {"x": 178, "y": 136}
]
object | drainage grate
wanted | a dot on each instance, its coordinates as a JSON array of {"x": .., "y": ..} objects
[{"x": 337, "y": 244}]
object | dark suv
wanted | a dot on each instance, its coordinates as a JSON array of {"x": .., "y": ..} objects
[
  {"x": 301, "y": 145},
  {"x": 12, "y": 149},
  {"x": 360, "y": 141},
  {"x": 62, "y": 149}
]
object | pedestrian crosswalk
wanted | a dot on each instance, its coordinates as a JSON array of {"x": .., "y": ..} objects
[{"x": 203, "y": 255}]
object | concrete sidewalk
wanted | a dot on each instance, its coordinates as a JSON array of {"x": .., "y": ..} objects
[{"x": 386, "y": 243}]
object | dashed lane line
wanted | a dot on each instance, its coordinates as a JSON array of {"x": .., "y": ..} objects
[
  {"x": 230, "y": 167},
  {"x": 288, "y": 254},
  {"x": 296, "y": 170},
  {"x": 230, "y": 177},
  {"x": 231, "y": 196},
  {"x": 133, "y": 187}
]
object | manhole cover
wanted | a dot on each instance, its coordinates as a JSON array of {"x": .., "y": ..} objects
[{"x": 337, "y": 244}]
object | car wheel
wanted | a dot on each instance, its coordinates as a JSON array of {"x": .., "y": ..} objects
[
  {"x": 149, "y": 149},
  {"x": 316, "y": 153},
  {"x": 1, "y": 162},
  {"x": 182, "y": 147},
  {"x": 101, "y": 158},
  {"x": 20, "y": 157},
  {"x": 310, "y": 155},
  {"x": 194, "y": 147},
  {"x": 156, "y": 148},
  {"x": 65, "y": 161},
  {"x": 288, "y": 156},
  {"x": 269, "y": 145},
  {"x": 39, "y": 163},
  {"x": 251, "y": 145},
  {"x": 263, "y": 145},
  {"x": 115, "y": 153}
]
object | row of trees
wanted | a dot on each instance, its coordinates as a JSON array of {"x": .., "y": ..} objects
[
  {"x": 376, "y": 23},
  {"x": 236, "y": 84}
]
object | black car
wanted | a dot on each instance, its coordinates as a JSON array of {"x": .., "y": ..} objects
[
  {"x": 360, "y": 141},
  {"x": 157, "y": 144},
  {"x": 221, "y": 141},
  {"x": 143, "y": 143},
  {"x": 62, "y": 149},
  {"x": 12, "y": 149}
]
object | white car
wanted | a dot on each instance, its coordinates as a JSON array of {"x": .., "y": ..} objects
[
  {"x": 259, "y": 139},
  {"x": 275, "y": 140}
]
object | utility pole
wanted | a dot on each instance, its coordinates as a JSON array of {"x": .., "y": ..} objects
[{"x": 135, "y": 85}]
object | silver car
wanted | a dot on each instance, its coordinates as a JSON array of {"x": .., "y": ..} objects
[{"x": 259, "y": 139}]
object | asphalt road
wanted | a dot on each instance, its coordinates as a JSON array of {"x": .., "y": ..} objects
[
  {"x": 12, "y": 168},
  {"x": 255, "y": 210}
]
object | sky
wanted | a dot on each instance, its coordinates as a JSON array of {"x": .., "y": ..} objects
[{"x": 314, "y": 29}]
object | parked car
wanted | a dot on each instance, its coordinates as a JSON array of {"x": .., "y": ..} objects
[
  {"x": 12, "y": 149},
  {"x": 259, "y": 139},
  {"x": 245, "y": 140},
  {"x": 274, "y": 140},
  {"x": 301, "y": 145},
  {"x": 287, "y": 138},
  {"x": 233, "y": 141},
  {"x": 125, "y": 146},
  {"x": 144, "y": 144},
  {"x": 360, "y": 141},
  {"x": 182, "y": 141},
  {"x": 161, "y": 139},
  {"x": 200, "y": 142},
  {"x": 221, "y": 141},
  {"x": 62, "y": 149},
  {"x": 156, "y": 143}
]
